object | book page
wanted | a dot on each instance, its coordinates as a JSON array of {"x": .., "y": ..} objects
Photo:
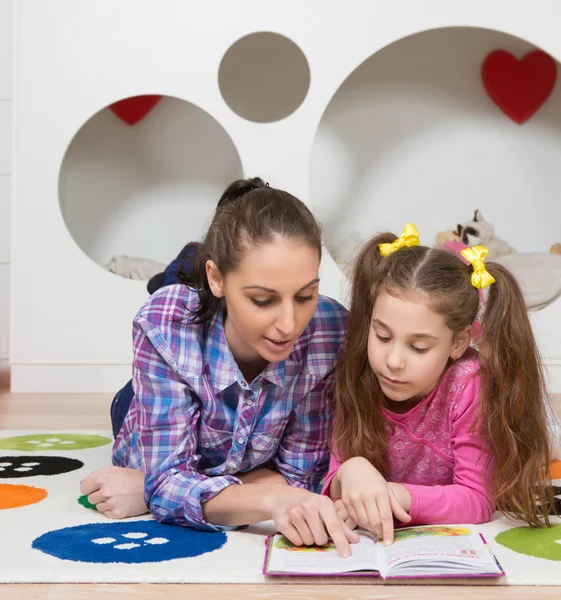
[
  {"x": 440, "y": 545},
  {"x": 284, "y": 557}
]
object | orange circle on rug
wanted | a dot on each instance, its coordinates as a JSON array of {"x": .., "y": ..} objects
[
  {"x": 555, "y": 469},
  {"x": 15, "y": 496}
]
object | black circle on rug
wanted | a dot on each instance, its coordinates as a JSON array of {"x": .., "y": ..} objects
[
  {"x": 128, "y": 542},
  {"x": 15, "y": 467}
]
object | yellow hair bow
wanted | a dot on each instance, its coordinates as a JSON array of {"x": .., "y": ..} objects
[
  {"x": 409, "y": 237},
  {"x": 480, "y": 278}
]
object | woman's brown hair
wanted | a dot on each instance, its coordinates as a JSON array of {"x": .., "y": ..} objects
[
  {"x": 513, "y": 401},
  {"x": 249, "y": 212}
]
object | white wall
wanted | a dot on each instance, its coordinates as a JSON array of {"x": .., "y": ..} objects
[
  {"x": 6, "y": 40},
  {"x": 58, "y": 44}
]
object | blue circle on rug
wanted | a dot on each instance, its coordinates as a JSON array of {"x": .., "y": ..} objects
[{"x": 129, "y": 542}]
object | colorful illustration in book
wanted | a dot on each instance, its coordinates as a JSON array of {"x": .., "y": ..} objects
[
  {"x": 284, "y": 544},
  {"x": 439, "y": 530}
]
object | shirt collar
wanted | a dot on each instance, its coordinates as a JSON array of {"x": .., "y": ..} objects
[
  {"x": 221, "y": 364},
  {"x": 218, "y": 360}
]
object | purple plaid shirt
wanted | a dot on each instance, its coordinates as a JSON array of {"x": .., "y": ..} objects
[{"x": 195, "y": 422}]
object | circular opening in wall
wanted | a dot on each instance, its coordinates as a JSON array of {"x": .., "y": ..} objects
[
  {"x": 264, "y": 77},
  {"x": 413, "y": 135},
  {"x": 141, "y": 179}
]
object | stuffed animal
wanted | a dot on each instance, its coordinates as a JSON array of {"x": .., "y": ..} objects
[
  {"x": 481, "y": 232},
  {"x": 446, "y": 236}
]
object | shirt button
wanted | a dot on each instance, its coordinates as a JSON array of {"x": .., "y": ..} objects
[
  {"x": 244, "y": 383},
  {"x": 206, "y": 445},
  {"x": 241, "y": 440},
  {"x": 249, "y": 402},
  {"x": 232, "y": 466}
]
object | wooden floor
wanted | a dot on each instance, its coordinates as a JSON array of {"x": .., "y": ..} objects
[{"x": 90, "y": 411}]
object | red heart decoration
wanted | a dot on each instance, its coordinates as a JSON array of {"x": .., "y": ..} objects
[
  {"x": 519, "y": 87},
  {"x": 134, "y": 109}
]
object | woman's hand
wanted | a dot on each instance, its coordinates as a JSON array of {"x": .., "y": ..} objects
[
  {"x": 117, "y": 492},
  {"x": 306, "y": 518},
  {"x": 369, "y": 499}
]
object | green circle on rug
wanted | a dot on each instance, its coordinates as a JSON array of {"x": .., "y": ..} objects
[
  {"x": 83, "y": 500},
  {"x": 542, "y": 543},
  {"x": 53, "y": 441}
]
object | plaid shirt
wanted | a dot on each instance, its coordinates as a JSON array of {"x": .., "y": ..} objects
[{"x": 195, "y": 422}]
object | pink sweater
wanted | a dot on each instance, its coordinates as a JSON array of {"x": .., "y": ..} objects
[{"x": 433, "y": 451}]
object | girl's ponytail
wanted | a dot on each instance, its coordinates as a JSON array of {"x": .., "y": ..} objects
[{"x": 514, "y": 402}]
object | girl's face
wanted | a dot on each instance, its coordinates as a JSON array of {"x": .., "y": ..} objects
[
  {"x": 408, "y": 348},
  {"x": 270, "y": 299}
]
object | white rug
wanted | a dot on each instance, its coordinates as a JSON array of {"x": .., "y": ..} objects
[{"x": 98, "y": 550}]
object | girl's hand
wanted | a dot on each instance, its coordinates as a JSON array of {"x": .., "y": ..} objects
[
  {"x": 306, "y": 518},
  {"x": 344, "y": 515},
  {"x": 369, "y": 499}
]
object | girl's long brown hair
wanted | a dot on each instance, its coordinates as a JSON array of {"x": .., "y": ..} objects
[{"x": 513, "y": 401}]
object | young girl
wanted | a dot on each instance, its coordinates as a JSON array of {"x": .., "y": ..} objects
[
  {"x": 427, "y": 429},
  {"x": 227, "y": 420}
]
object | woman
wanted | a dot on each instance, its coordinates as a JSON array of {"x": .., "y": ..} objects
[{"x": 233, "y": 379}]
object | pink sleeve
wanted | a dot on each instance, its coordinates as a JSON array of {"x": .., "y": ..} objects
[
  {"x": 469, "y": 498},
  {"x": 334, "y": 465}
]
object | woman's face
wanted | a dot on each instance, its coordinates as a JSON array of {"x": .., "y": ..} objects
[{"x": 270, "y": 298}]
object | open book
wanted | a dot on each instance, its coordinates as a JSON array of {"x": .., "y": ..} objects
[{"x": 427, "y": 551}]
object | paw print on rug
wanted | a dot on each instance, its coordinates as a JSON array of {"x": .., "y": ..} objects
[
  {"x": 143, "y": 541},
  {"x": 12, "y": 467},
  {"x": 23, "y": 468},
  {"x": 129, "y": 545},
  {"x": 53, "y": 441},
  {"x": 48, "y": 443}
]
